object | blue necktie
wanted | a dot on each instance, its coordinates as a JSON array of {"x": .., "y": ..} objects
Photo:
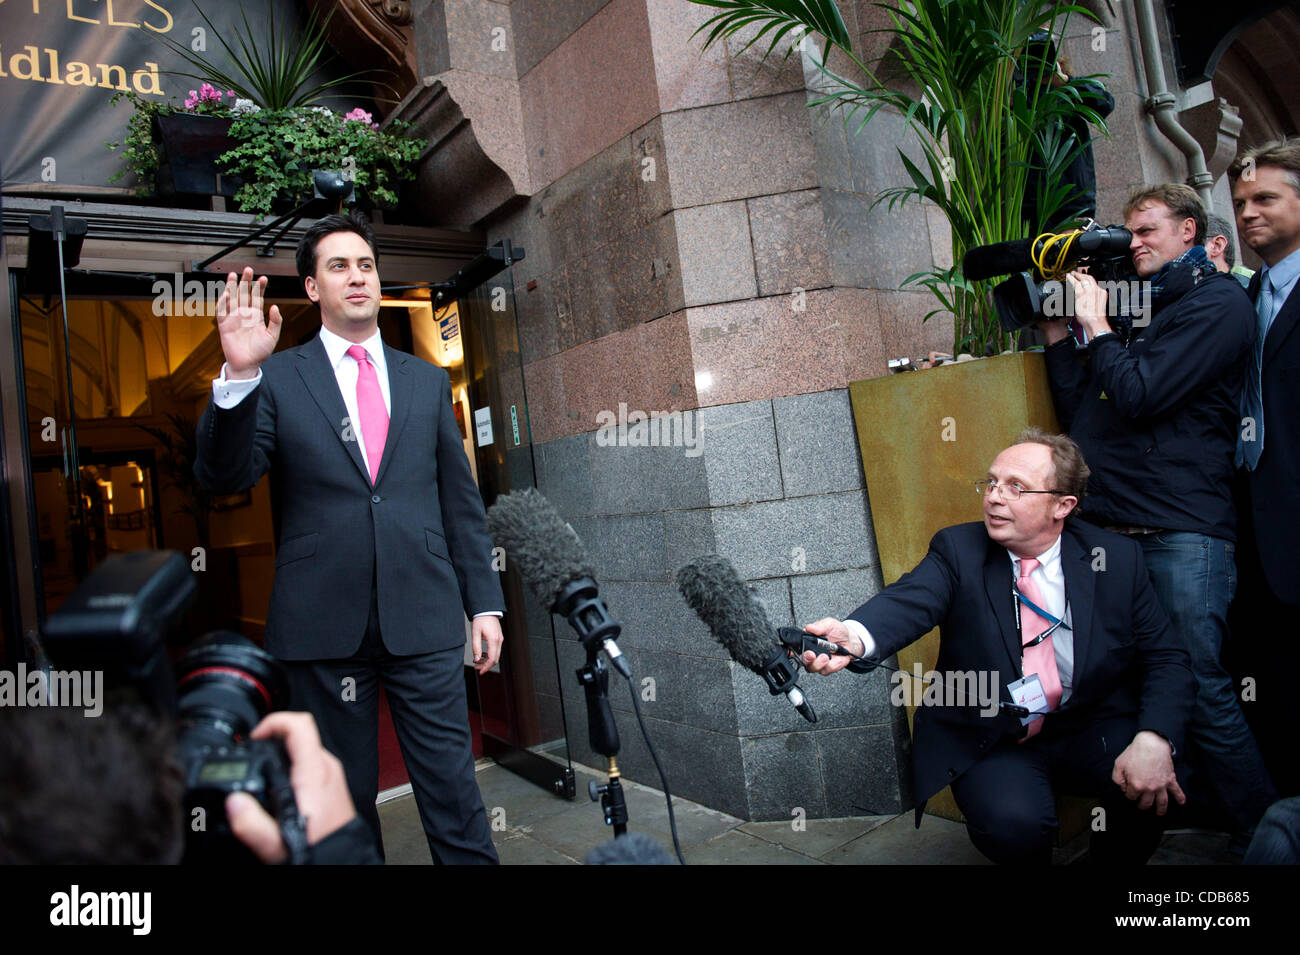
[{"x": 1252, "y": 395}]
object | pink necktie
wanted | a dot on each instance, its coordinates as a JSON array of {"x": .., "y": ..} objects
[
  {"x": 1041, "y": 657},
  {"x": 371, "y": 410}
]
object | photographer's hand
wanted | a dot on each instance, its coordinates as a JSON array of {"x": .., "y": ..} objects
[
  {"x": 1055, "y": 330},
  {"x": 1090, "y": 301},
  {"x": 319, "y": 786}
]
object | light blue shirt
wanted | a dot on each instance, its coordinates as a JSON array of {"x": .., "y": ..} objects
[
  {"x": 1275, "y": 284},
  {"x": 1283, "y": 276}
]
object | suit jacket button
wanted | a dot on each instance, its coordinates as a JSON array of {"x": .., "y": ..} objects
[
  {"x": 952, "y": 774},
  {"x": 375, "y": 499}
]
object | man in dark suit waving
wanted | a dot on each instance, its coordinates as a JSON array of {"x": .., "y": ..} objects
[
  {"x": 1266, "y": 197},
  {"x": 1063, "y": 616},
  {"x": 381, "y": 541}
]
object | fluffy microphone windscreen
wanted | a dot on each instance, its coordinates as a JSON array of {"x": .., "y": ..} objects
[
  {"x": 635, "y": 848},
  {"x": 537, "y": 540},
  {"x": 713, "y": 589}
]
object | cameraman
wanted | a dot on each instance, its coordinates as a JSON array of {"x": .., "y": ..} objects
[
  {"x": 1156, "y": 417},
  {"x": 108, "y": 791}
]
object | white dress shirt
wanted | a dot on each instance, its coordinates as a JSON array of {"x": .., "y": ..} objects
[
  {"x": 227, "y": 394},
  {"x": 1050, "y": 580}
]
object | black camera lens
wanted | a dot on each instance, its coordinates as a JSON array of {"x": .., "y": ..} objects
[{"x": 225, "y": 685}]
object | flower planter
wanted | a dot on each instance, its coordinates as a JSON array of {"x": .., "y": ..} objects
[
  {"x": 191, "y": 144},
  {"x": 925, "y": 437}
]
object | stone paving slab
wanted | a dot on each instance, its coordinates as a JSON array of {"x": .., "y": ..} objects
[
  {"x": 740, "y": 848},
  {"x": 818, "y": 837},
  {"x": 542, "y": 829},
  {"x": 897, "y": 842}
]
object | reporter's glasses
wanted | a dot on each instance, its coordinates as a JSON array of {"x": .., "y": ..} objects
[{"x": 1010, "y": 492}]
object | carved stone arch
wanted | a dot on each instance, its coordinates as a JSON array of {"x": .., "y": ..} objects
[{"x": 375, "y": 34}]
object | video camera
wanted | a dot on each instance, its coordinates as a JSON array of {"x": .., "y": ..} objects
[
  {"x": 116, "y": 622},
  {"x": 1035, "y": 292}
]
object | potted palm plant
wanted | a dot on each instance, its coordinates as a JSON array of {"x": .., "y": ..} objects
[
  {"x": 975, "y": 95},
  {"x": 968, "y": 78}
]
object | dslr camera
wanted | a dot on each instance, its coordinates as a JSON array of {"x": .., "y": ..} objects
[{"x": 221, "y": 688}]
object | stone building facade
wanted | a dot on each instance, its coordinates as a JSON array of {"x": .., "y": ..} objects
[{"x": 699, "y": 240}]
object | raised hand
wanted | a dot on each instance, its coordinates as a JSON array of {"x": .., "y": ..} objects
[{"x": 246, "y": 339}]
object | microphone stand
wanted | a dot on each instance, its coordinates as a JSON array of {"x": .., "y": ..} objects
[
  {"x": 603, "y": 736},
  {"x": 588, "y": 615}
]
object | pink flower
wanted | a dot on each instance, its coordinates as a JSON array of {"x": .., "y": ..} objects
[
  {"x": 230, "y": 92},
  {"x": 361, "y": 116}
]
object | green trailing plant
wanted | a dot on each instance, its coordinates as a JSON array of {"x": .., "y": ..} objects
[
  {"x": 953, "y": 70},
  {"x": 141, "y": 151},
  {"x": 277, "y": 150}
]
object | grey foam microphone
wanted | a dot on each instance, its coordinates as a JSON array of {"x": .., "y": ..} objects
[
  {"x": 552, "y": 560},
  {"x": 731, "y": 611},
  {"x": 635, "y": 848}
]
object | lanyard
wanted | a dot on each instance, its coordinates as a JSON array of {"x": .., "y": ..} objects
[{"x": 1018, "y": 599}]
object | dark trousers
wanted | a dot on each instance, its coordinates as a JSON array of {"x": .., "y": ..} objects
[
  {"x": 1010, "y": 809},
  {"x": 426, "y": 695},
  {"x": 1265, "y": 652},
  {"x": 1277, "y": 840}
]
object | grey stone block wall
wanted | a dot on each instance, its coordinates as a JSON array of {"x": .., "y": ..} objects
[{"x": 777, "y": 489}]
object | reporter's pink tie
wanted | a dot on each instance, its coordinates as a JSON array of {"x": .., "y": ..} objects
[
  {"x": 371, "y": 410},
  {"x": 1041, "y": 657}
]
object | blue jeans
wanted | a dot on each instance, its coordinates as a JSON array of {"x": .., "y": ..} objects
[{"x": 1195, "y": 576}]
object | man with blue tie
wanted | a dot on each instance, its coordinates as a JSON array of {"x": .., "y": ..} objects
[
  {"x": 381, "y": 537},
  {"x": 1266, "y": 198}
]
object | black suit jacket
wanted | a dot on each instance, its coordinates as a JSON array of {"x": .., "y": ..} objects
[
  {"x": 1127, "y": 660},
  {"x": 1275, "y": 483},
  {"x": 419, "y": 533}
]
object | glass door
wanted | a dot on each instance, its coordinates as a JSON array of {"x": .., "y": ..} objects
[{"x": 516, "y": 707}]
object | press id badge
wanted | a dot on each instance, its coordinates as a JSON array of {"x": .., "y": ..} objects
[{"x": 1028, "y": 692}]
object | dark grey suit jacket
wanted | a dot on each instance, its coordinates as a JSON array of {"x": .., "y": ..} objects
[
  {"x": 419, "y": 532},
  {"x": 1127, "y": 660},
  {"x": 1275, "y": 484}
]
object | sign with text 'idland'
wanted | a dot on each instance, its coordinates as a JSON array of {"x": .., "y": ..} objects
[{"x": 61, "y": 61}]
